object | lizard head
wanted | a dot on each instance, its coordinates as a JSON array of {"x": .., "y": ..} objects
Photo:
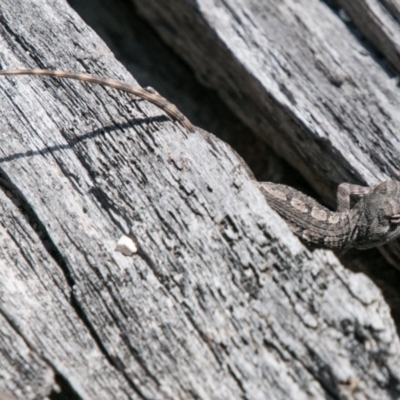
[{"x": 381, "y": 215}]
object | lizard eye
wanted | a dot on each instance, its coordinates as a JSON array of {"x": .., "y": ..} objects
[{"x": 394, "y": 219}]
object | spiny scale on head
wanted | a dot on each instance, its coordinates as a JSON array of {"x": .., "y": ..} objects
[{"x": 151, "y": 96}]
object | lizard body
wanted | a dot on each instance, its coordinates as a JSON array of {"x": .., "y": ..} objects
[{"x": 372, "y": 221}]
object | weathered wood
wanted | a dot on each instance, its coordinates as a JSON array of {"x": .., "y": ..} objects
[
  {"x": 221, "y": 301},
  {"x": 294, "y": 73},
  {"x": 379, "y": 22}
]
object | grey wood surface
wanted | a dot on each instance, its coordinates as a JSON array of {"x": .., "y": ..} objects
[
  {"x": 378, "y": 25},
  {"x": 220, "y": 302}
]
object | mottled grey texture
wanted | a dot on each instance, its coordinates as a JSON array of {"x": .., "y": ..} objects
[{"x": 220, "y": 302}]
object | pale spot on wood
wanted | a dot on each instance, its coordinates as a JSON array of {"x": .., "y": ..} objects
[
  {"x": 299, "y": 205},
  {"x": 334, "y": 219},
  {"x": 126, "y": 246},
  {"x": 318, "y": 214}
]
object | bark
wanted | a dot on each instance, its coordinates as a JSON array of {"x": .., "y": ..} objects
[{"x": 220, "y": 301}]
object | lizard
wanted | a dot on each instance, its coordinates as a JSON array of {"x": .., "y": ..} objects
[{"x": 373, "y": 220}]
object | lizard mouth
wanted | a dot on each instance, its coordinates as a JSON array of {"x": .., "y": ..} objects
[{"x": 394, "y": 219}]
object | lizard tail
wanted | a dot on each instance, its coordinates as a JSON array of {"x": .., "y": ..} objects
[{"x": 152, "y": 97}]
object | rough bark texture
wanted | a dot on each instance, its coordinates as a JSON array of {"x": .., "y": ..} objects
[{"x": 221, "y": 301}]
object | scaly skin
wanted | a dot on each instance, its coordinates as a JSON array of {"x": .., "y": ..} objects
[{"x": 374, "y": 220}]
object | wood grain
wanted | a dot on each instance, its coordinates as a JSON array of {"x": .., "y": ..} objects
[{"x": 221, "y": 301}]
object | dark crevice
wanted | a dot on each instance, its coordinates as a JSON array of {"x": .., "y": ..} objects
[
  {"x": 238, "y": 382},
  {"x": 25, "y": 47},
  {"x": 63, "y": 390},
  {"x": 112, "y": 361},
  {"x": 34, "y": 221},
  {"x": 111, "y": 209},
  {"x": 316, "y": 367}
]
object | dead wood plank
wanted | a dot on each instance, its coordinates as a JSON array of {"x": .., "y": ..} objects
[
  {"x": 221, "y": 301},
  {"x": 38, "y": 319}
]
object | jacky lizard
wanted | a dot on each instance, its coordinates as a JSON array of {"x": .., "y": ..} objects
[{"x": 372, "y": 221}]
